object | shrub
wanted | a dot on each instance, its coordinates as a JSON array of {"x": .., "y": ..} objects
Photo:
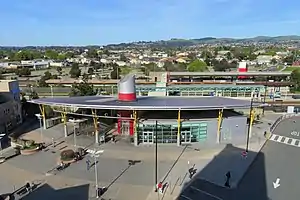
[
  {"x": 68, "y": 154},
  {"x": 29, "y": 143}
]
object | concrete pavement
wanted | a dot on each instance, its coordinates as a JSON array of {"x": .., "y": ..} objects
[
  {"x": 276, "y": 160},
  {"x": 141, "y": 177}
]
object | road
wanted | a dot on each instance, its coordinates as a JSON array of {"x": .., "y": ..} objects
[{"x": 276, "y": 160}]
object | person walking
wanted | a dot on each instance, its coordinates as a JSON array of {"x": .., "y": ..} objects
[
  {"x": 88, "y": 164},
  {"x": 228, "y": 176}
]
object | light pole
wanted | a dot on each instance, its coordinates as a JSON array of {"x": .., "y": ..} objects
[
  {"x": 96, "y": 155},
  {"x": 250, "y": 124},
  {"x": 51, "y": 91},
  {"x": 75, "y": 121},
  {"x": 156, "y": 179},
  {"x": 39, "y": 116}
]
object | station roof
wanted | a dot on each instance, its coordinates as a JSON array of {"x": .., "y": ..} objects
[
  {"x": 230, "y": 73},
  {"x": 148, "y": 103}
]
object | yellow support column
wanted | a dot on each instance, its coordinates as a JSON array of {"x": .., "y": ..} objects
[
  {"x": 64, "y": 120},
  {"x": 95, "y": 119},
  {"x": 220, "y": 118},
  {"x": 252, "y": 116},
  {"x": 179, "y": 129},
  {"x": 43, "y": 115},
  {"x": 135, "y": 133}
]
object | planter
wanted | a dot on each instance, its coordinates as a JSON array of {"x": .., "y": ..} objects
[
  {"x": 2, "y": 159},
  {"x": 66, "y": 161},
  {"x": 29, "y": 151},
  {"x": 67, "y": 156}
]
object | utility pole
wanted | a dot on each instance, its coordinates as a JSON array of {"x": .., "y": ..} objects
[
  {"x": 96, "y": 155},
  {"x": 156, "y": 179},
  {"x": 250, "y": 124}
]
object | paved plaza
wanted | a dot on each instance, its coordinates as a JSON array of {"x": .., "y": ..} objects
[{"x": 126, "y": 182}]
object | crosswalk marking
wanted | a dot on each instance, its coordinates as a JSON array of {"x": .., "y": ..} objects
[
  {"x": 293, "y": 142},
  {"x": 285, "y": 140}
]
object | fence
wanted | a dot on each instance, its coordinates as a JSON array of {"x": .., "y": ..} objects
[{"x": 281, "y": 118}]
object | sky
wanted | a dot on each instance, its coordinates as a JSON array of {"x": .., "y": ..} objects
[{"x": 101, "y": 22}]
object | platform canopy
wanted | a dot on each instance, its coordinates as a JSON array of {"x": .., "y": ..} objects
[{"x": 148, "y": 103}]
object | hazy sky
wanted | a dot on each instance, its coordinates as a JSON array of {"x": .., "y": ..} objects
[{"x": 85, "y": 22}]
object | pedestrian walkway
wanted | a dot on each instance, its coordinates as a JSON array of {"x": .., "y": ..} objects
[
  {"x": 230, "y": 159},
  {"x": 285, "y": 140}
]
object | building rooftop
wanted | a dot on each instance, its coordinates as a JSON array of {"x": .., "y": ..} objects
[{"x": 148, "y": 103}]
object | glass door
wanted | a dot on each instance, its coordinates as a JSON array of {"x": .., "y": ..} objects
[
  {"x": 125, "y": 127},
  {"x": 186, "y": 136},
  {"x": 148, "y": 137}
]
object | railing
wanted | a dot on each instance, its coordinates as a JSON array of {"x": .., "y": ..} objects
[{"x": 281, "y": 118}]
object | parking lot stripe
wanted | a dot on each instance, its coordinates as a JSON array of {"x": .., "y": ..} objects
[{"x": 186, "y": 197}]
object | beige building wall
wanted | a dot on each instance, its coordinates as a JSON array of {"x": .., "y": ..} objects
[{"x": 10, "y": 105}]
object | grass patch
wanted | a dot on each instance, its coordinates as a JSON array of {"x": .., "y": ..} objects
[{"x": 290, "y": 69}]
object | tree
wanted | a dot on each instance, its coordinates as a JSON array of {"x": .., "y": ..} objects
[
  {"x": 151, "y": 67},
  {"x": 289, "y": 59},
  {"x": 59, "y": 70},
  {"x": 169, "y": 66},
  {"x": 75, "y": 71},
  {"x": 61, "y": 57},
  {"x": 23, "y": 72},
  {"x": 197, "y": 66},
  {"x": 273, "y": 61},
  {"x": 51, "y": 54},
  {"x": 206, "y": 55},
  {"x": 83, "y": 89},
  {"x": 90, "y": 70},
  {"x": 228, "y": 56},
  {"x": 123, "y": 58},
  {"x": 295, "y": 78},
  {"x": 223, "y": 65},
  {"x": 92, "y": 53},
  {"x": 70, "y": 54},
  {"x": 33, "y": 95},
  {"x": 115, "y": 73},
  {"x": 47, "y": 76}
]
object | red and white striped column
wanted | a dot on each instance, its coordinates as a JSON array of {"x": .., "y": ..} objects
[
  {"x": 126, "y": 88},
  {"x": 242, "y": 67}
]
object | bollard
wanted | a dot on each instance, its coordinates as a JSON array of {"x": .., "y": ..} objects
[{"x": 53, "y": 143}]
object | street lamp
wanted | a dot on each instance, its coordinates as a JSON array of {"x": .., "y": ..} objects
[
  {"x": 250, "y": 124},
  {"x": 95, "y": 155},
  {"x": 156, "y": 179},
  {"x": 51, "y": 91},
  {"x": 39, "y": 116},
  {"x": 74, "y": 121}
]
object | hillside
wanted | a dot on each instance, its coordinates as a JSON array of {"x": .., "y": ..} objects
[{"x": 176, "y": 42}]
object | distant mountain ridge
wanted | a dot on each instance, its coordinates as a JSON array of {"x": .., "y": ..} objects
[{"x": 177, "y": 42}]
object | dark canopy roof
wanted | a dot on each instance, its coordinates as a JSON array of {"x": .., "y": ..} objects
[{"x": 148, "y": 103}]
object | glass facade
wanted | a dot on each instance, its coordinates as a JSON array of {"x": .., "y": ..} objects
[{"x": 167, "y": 133}]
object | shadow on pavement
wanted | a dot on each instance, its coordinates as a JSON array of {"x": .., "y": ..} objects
[
  {"x": 252, "y": 184},
  {"x": 46, "y": 192},
  {"x": 28, "y": 125}
]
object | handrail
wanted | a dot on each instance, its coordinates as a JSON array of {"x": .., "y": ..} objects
[{"x": 281, "y": 118}]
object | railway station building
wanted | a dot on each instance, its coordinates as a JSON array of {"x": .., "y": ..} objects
[{"x": 206, "y": 121}]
